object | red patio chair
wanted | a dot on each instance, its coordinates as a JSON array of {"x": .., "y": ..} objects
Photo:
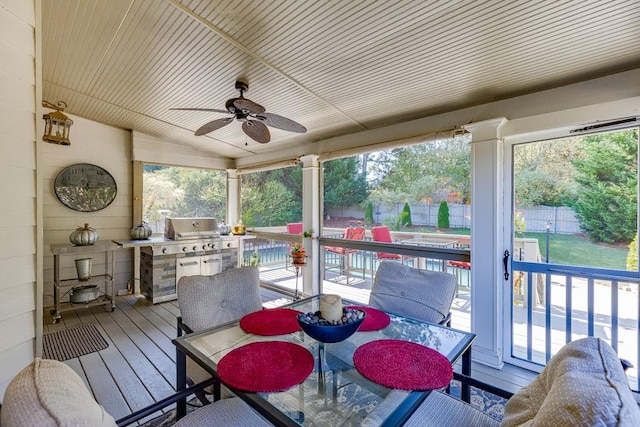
[
  {"x": 457, "y": 266},
  {"x": 382, "y": 234},
  {"x": 355, "y": 233},
  {"x": 294, "y": 228}
]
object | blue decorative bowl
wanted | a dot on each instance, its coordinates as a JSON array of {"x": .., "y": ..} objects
[{"x": 331, "y": 333}]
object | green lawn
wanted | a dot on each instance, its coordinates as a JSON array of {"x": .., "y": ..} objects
[
  {"x": 570, "y": 249},
  {"x": 573, "y": 249}
]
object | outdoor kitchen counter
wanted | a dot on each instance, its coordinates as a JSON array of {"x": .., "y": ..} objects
[
  {"x": 161, "y": 247},
  {"x": 158, "y": 241}
]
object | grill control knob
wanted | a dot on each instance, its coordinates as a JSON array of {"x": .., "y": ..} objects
[
  {"x": 164, "y": 250},
  {"x": 229, "y": 245},
  {"x": 185, "y": 249},
  {"x": 195, "y": 248},
  {"x": 204, "y": 247}
]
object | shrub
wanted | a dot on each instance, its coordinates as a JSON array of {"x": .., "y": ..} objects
[
  {"x": 405, "y": 216},
  {"x": 632, "y": 256},
  {"x": 443, "y": 216},
  {"x": 368, "y": 213}
]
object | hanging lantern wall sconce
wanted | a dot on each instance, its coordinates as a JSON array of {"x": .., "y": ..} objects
[{"x": 56, "y": 128}]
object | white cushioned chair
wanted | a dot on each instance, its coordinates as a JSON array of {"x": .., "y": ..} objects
[
  {"x": 49, "y": 393},
  {"x": 420, "y": 294},
  {"x": 582, "y": 385},
  {"x": 208, "y": 301}
]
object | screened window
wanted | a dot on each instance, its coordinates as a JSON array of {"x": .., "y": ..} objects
[{"x": 182, "y": 192}]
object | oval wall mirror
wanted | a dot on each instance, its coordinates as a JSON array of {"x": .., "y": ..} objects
[{"x": 85, "y": 187}]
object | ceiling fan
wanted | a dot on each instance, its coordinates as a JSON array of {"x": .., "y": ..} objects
[{"x": 253, "y": 117}]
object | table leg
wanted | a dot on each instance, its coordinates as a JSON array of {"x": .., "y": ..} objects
[
  {"x": 465, "y": 389},
  {"x": 181, "y": 382}
]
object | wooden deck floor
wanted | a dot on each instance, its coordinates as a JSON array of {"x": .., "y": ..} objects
[{"x": 138, "y": 367}]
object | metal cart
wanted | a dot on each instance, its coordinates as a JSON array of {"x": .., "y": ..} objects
[{"x": 104, "y": 282}]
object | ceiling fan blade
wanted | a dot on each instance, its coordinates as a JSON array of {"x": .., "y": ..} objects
[
  {"x": 280, "y": 122},
  {"x": 215, "y": 110},
  {"x": 248, "y": 105},
  {"x": 213, "y": 125},
  {"x": 256, "y": 131}
]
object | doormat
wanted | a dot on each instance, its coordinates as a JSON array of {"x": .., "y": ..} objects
[{"x": 71, "y": 343}]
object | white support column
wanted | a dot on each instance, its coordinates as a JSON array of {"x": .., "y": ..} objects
[
  {"x": 487, "y": 279},
  {"x": 311, "y": 220},
  {"x": 233, "y": 197}
]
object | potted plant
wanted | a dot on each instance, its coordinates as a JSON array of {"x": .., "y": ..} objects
[{"x": 298, "y": 253}]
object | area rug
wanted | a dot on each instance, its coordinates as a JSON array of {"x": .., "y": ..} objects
[
  {"x": 488, "y": 403},
  {"x": 71, "y": 343}
]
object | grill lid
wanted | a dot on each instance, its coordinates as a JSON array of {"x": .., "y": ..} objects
[{"x": 191, "y": 228}]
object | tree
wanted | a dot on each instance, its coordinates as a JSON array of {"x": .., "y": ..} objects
[
  {"x": 424, "y": 172},
  {"x": 543, "y": 173},
  {"x": 183, "y": 191},
  {"x": 270, "y": 204},
  {"x": 344, "y": 185},
  {"x": 443, "y": 216},
  {"x": 606, "y": 199}
]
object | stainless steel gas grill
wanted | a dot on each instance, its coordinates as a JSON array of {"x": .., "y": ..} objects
[
  {"x": 191, "y": 228},
  {"x": 191, "y": 246}
]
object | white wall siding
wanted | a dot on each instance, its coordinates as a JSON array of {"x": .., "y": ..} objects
[
  {"x": 18, "y": 237},
  {"x": 109, "y": 148}
]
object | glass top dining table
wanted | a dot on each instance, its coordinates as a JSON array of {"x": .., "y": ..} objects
[{"x": 335, "y": 393}]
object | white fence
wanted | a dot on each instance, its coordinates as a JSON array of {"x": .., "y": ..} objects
[{"x": 562, "y": 220}]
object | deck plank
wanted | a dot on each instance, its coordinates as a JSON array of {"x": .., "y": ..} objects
[
  {"x": 141, "y": 366},
  {"x": 163, "y": 363},
  {"x": 148, "y": 328},
  {"x": 130, "y": 384},
  {"x": 103, "y": 386},
  {"x": 148, "y": 311}
]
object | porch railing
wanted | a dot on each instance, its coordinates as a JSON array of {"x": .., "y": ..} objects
[
  {"x": 424, "y": 257},
  {"x": 554, "y": 304},
  {"x": 271, "y": 250}
]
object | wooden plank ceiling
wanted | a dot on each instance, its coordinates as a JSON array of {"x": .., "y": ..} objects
[{"x": 335, "y": 66}]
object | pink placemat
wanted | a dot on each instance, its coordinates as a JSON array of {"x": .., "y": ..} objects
[
  {"x": 266, "y": 366},
  {"x": 272, "y": 321},
  {"x": 402, "y": 364},
  {"x": 374, "y": 319}
]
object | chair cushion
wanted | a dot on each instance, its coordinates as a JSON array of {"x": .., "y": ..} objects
[
  {"x": 49, "y": 393},
  {"x": 208, "y": 301},
  {"x": 411, "y": 292},
  {"x": 583, "y": 384},
  {"x": 231, "y": 412},
  {"x": 442, "y": 410}
]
